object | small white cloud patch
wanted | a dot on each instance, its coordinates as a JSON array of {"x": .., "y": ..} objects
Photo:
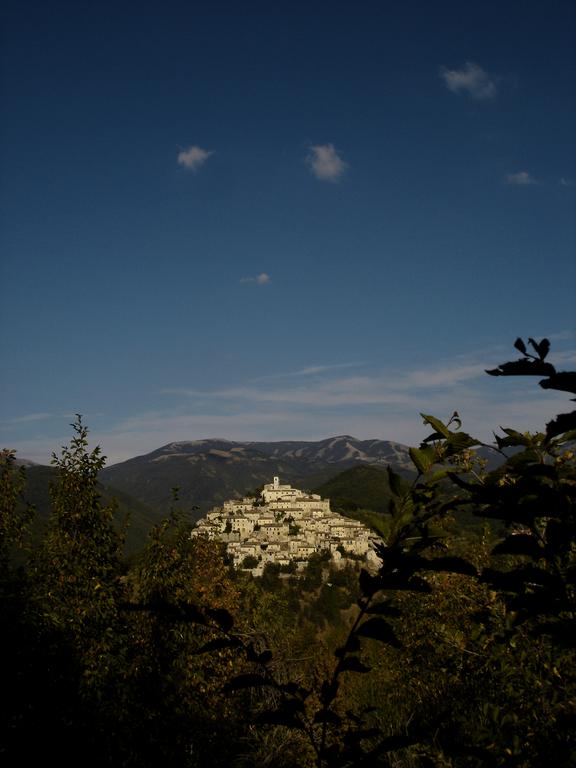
[
  {"x": 520, "y": 179},
  {"x": 193, "y": 157},
  {"x": 470, "y": 79},
  {"x": 326, "y": 163},
  {"x": 262, "y": 279}
]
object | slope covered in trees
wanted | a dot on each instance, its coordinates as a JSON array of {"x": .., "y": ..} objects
[
  {"x": 363, "y": 487},
  {"x": 130, "y": 515},
  {"x": 209, "y": 472},
  {"x": 455, "y": 653}
]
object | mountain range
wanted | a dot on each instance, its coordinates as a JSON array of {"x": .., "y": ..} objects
[
  {"x": 204, "y": 473},
  {"x": 208, "y": 472}
]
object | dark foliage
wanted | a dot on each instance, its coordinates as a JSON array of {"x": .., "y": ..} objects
[{"x": 455, "y": 652}]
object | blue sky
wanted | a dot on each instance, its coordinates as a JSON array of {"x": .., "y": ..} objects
[{"x": 281, "y": 220}]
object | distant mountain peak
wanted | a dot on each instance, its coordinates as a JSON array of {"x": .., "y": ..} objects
[
  {"x": 189, "y": 443},
  {"x": 211, "y": 470}
]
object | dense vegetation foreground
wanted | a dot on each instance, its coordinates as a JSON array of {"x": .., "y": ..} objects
[{"x": 459, "y": 651}]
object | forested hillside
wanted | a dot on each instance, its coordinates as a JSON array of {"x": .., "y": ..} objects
[
  {"x": 208, "y": 472},
  {"x": 131, "y": 516},
  {"x": 457, "y": 652}
]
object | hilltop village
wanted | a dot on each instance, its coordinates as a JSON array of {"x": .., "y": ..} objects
[{"x": 285, "y": 526}]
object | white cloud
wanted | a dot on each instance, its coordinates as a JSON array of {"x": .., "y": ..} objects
[
  {"x": 483, "y": 410},
  {"x": 520, "y": 179},
  {"x": 193, "y": 158},
  {"x": 319, "y": 401},
  {"x": 470, "y": 79},
  {"x": 381, "y": 399},
  {"x": 314, "y": 370},
  {"x": 326, "y": 163},
  {"x": 262, "y": 279},
  {"x": 309, "y": 370},
  {"x": 450, "y": 375},
  {"x": 339, "y": 392},
  {"x": 566, "y": 182},
  {"x": 326, "y": 391},
  {"x": 31, "y": 417}
]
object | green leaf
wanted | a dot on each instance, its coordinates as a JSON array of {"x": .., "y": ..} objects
[
  {"x": 433, "y": 438},
  {"x": 460, "y": 441},
  {"x": 456, "y": 420},
  {"x": 523, "y": 367},
  {"x": 436, "y": 424},
  {"x": 435, "y": 477},
  {"x": 378, "y": 629},
  {"x": 457, "y": 480},
  {"x": 541, "y": 348},
  {"x": 564, "y": 422},
  {"x": 520, "y": 346},
  {"x": 422, "y": 458},
  {"x": 514, "y": 438},
  {"x": 369, "y": 584},
  {"x": 328, "y": 692},
  {"x": 396, "y": 482},
  {"x": 564, "y": 381}
]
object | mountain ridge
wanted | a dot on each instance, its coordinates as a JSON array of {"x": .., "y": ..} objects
[{"x": 212, "y": 470}]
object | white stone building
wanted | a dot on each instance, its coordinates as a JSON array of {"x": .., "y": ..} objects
[{"x": 285, "y": 526}]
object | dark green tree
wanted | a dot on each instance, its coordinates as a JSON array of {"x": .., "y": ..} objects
[
  {"x": 68, "y": 633},
  {"x": 15, "y": 514}
]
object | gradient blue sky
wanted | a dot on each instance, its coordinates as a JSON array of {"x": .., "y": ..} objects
[{"x": 281, "y": 220}]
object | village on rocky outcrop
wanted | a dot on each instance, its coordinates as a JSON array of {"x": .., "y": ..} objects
[{"x": 285, "y": 526}]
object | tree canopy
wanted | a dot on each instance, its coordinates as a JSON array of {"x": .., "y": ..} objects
[{"x": 458, "y": 650}]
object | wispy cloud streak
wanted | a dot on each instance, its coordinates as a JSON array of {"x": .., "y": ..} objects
[
  {"x": 28, "y": 418},
  {"x": 328, "y": 391},
  {"x": 318, "y": 401},
  {"x": 310, "y": 370}
]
